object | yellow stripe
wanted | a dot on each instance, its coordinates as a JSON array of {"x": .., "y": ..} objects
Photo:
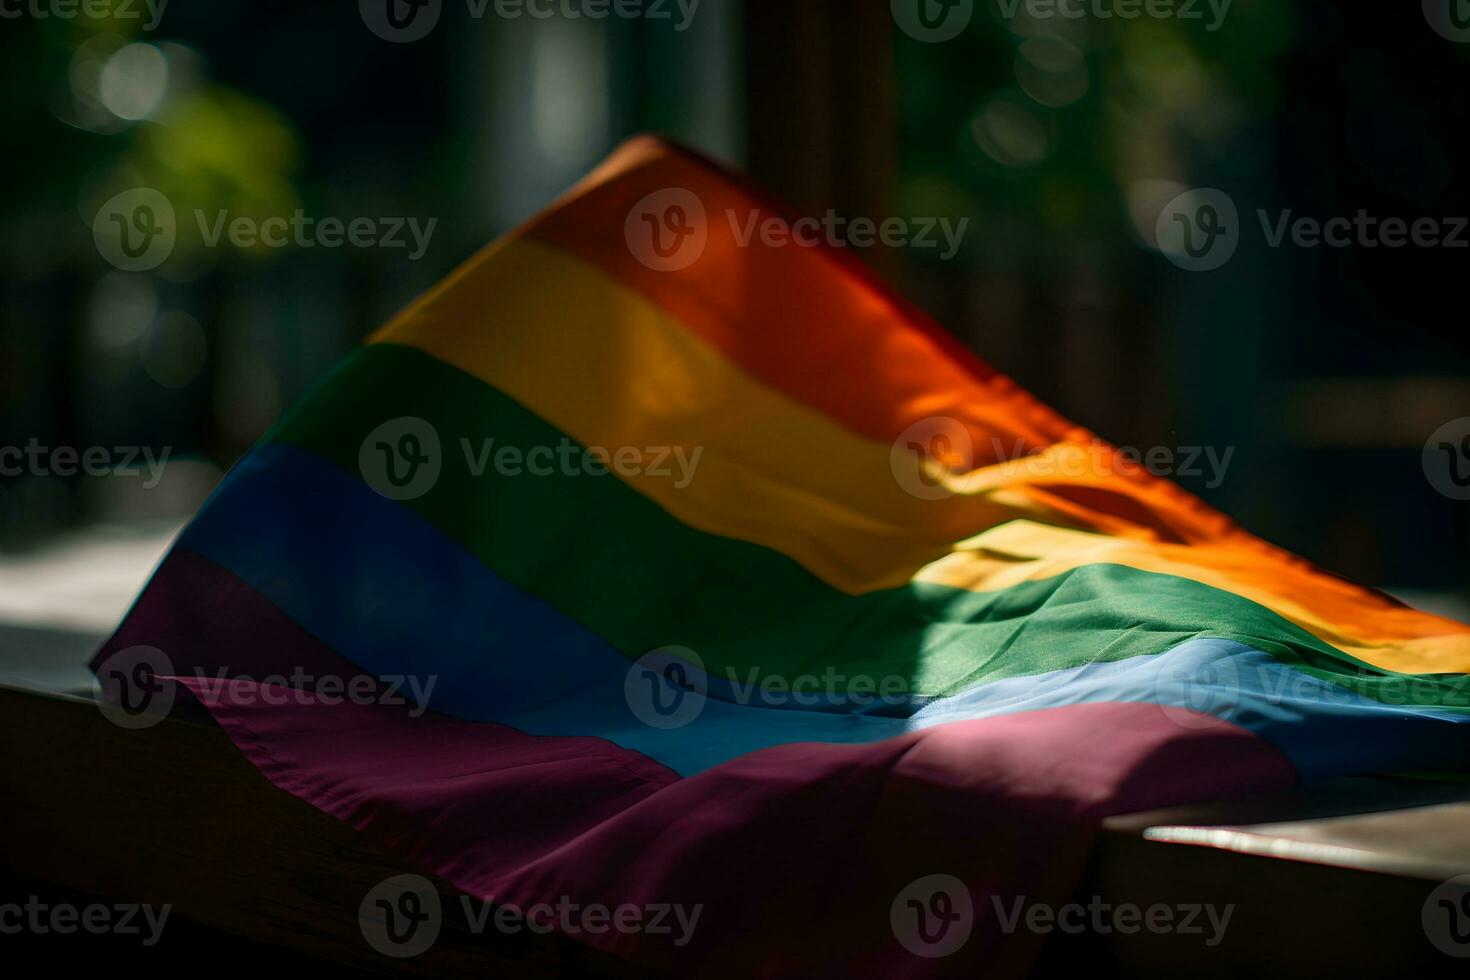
[{"x": 605, "y": 366}]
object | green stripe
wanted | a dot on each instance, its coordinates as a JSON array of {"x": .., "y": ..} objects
[{"x": 616, "y": 562}]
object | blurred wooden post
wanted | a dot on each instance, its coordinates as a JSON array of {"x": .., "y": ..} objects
[{"x": 822, "y": 116}]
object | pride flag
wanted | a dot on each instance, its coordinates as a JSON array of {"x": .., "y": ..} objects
[{"x": 647, "y": 561}]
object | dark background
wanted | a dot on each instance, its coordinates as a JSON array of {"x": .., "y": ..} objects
[{"x": 1325, "y": 369}]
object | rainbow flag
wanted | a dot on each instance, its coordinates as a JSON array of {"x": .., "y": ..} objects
[{"x": 649, "y": 562}]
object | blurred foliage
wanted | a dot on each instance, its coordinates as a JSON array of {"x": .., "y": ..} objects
[
  {"x": 1054, "y": 119},
  {"x": 206, "y": 146}
]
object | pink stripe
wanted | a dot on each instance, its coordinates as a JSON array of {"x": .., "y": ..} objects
[
  {"x": 208, "y": 621},
  {"x": 795, "y": 854}
]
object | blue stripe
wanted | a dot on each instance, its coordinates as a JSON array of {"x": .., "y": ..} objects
[
  {"x": 1325, "y": 729},
  {"x": 390, "y": 592}
]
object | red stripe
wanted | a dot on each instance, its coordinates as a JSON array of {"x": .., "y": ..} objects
[
  {"x": 814, "y": 323},
  {"x": 807, "y": 321}
]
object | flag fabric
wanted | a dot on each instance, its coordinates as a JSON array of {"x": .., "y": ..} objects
[{"x": 651, "y": 560}]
